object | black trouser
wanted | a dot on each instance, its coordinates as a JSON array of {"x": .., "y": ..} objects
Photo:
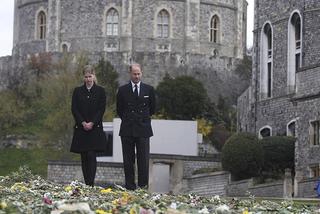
[
  {"x": 89, "y": 166},
  {"x": 128, "y": 151}
]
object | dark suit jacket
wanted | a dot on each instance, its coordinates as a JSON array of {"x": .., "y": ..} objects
[
  {"x": 135, "y": 112},
  {"x": 88, "y": 106}
]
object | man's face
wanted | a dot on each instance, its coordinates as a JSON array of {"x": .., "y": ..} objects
[{"x": 135, "y": 74}]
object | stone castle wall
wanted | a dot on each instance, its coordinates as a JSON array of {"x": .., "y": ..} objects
[
  {"x": 286, "y": 105},
  {"x": 82, "y": 25}
]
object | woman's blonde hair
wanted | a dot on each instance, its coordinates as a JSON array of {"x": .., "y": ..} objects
[{"x": 89, "y": 69}]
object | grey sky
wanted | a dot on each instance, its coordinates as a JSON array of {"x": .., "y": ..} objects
[{"x": 6, "y": 26}]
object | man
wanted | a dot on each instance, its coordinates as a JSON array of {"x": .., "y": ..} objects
[{"x": 135, "y": 106}]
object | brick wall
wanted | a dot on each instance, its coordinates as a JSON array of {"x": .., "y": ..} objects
[
  {"x": 239, "y": 188},
  {"x": 306, "y": 188},
  {"x": 209, "y": 184},
  {"x": 65, "y": 172}
]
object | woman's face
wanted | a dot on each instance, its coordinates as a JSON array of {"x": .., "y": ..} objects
[{"x": 88, "y": 79}]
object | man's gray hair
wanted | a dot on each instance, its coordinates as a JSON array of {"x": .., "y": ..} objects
[{"x": 135, "y": 64}]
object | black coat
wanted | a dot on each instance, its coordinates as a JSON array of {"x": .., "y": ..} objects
[
  {"x": 88, "y": 106},
  {"x": 135, "y": 112}
]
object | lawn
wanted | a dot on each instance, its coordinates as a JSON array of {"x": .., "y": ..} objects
[{"x": 36, "y": 159}]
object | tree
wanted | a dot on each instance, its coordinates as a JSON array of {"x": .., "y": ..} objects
[
  {"x": 108, "y": 78},
  {"x": 242, "y": 155},
  {"x": 244, "y": 69},
  {"x": 182, "y": 98}
]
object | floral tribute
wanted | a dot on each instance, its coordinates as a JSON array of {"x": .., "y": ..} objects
[{"x": 23, "y": 192}]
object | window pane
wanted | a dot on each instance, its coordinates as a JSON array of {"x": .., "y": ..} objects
[
  {"x": 165, "y": 19},
  {"x": 115, "y": 18},
  {"x": 266, "y": 132},
  {"x": 115, "y": 29},
  {"x": 215, "y": 23},
  {"x": 297, "y": 61},
  {"x": 165, "y": 31},
  {"x": 292, "y": 129},
  {"x": 215, "y": 36},
  {"x": 109, "y": 29},
  {"x": 269, "y": 80},
  {"x": 159, "y": 30},
  {"x": 298, "y": 29}
]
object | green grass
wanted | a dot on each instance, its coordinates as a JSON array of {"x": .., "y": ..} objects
[{"x": 36, "y": 159}]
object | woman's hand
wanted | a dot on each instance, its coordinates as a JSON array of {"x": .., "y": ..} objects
[{"x": 87, "y": 126}]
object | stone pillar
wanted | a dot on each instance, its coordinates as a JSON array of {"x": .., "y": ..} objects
[
  {"x": 150, "y": 186},
  {"x": 297, "y": 178},
  {"x": 16, "y": 24},
  {"x": 192, "y": 24},
  {"x": 239, "y": 29},
  {"x": 176, "y": 176},
  {"x": 126, "y": 26},
  {"x": 287, "y": 184},
  {"x": 53, "y": 25}
]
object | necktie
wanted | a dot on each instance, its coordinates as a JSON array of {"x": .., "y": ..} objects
[{"x": 135, "y": 92}]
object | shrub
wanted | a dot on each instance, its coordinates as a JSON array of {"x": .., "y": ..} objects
[
  {"x": 278, "y": 153},
  {"x": 219, "y": 136},
  {"x": 242, "y": 155}
]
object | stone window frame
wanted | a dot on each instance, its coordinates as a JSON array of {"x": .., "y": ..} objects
[
  {"x": 293, "y": 51},
  {"x": 314, "y": 135},
  {"x": 264, "y": 127},
  {"x": 155, "y": 32},
  {"x": 314, "y": 170},
  {"x": 217, "y": 29},
  {"x": 266, "y": 60},
  {"x": 65, "y": 44},
  {"x": 39, "y": 26},
  {"x": 104, "y": 20},
  {"x": 295, "y": 128}
]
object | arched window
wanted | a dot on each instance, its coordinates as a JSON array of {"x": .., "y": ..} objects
[
  {"x": 163, "y": 22},
  {"x": 266, "y": 65},
  {"x": 41, "y": 25},
  {"x": 291, "y": 129},
  {"x": 64, "y": 48},
  {"x": 265, "y": 132},
  {"x": 214, "y": 29},
  {"x": 112, "y": 22},
  {"x": 294, "y": 49}
]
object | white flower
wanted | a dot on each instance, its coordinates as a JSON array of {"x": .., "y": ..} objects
[
  {"x": 204, "y": 210},
  {"x": 223, "y": 209},
  {"x": 173, "y": 205},
  {"x": 216, "y": 197}
]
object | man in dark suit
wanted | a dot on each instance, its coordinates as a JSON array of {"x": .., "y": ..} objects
[{"x": 135, "y": 106}]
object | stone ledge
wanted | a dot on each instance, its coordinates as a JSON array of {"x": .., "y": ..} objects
[
  {"x": 208, "y": 174},
  {"x": 78, "y": 163},
  {"x": 214, "y": 158}
]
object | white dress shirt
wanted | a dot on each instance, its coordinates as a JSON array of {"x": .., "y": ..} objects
[{"x": 138, "y": 86}]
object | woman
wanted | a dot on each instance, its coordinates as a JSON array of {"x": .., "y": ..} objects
[{"x": 88, "y": 107}]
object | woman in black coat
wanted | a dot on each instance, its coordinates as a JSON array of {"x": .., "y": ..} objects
[{"x": 88, "y": 107}]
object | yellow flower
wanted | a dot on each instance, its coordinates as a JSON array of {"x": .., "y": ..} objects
[
  {"x": 68, "y": 188},
  {"x": 245, "y": 211},
  {"x": 115, "y": 202},
  {"x": 100, "y": 211},
  {"x": 109, "y": 190},
  {"x": 19, "y": 186},
  {"x": 3, "y": 205},
  {"x": 132, "y": 211}
]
